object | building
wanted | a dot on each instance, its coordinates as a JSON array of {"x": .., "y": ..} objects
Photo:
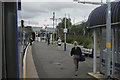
[
  {"x": 37, "y": 29},
  {"x": 43, "y": 34}
]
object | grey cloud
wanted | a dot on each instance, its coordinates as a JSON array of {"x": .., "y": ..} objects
[
  {"x": 42, "y": 7},
  {"x": 56, "y": 6},
  {"x": 34, "y": 22},
  {"x": 35, "y": 10}
]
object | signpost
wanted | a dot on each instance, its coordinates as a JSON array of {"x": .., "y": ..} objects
[{"x": 65, "y": 31}]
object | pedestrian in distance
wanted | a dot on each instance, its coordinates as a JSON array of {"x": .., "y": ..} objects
[
  {"x": 59, "y": 42},
  {"x": 76, "y": 53},
  {"x": 48, "y": 41},
  {"x": 31, "y": 40}
]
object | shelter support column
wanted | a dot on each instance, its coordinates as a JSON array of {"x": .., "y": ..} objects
[
  {"x": 101, "y": 52},
  {"x": 113, "y": 51},
  {"x": 51, "y": 38},
  {"x": 95, "y": 51},
  {"x": 108, "y": 40}
]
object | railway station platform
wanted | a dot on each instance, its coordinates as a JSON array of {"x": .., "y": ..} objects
[
  {"x": 29, "y": 70},
  {"x": 43, "y": 61}
]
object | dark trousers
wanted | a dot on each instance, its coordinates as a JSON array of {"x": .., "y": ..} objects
[{"x": 76, "y": 61}]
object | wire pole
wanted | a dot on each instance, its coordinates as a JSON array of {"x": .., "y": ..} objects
[
  {"x": 53, "y": 25},
  {"x": 56, "y": 30},
  {"x": 108, "y": 41}
]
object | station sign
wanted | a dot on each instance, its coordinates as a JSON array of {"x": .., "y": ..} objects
[{"x": 65, "y": 30}]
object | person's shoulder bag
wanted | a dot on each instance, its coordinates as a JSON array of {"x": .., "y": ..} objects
[{"x": 82, "y": 57}]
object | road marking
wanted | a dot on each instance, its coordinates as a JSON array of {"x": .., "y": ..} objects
[
  {"x": 94, "y": 76},
  {"x": 24, "y": 63}
]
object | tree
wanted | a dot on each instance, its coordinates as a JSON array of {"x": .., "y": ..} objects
[
  {"x": 28, "y": 30},
  {"x": 78, "y": 33},
  {"x": 61, "y": 25}
]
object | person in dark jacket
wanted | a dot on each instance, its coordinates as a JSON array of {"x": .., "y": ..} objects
[
  {"x": 48, "y": 41},
  {"x": 76, "y": 52},
  {"x": 31, "y": 40}
]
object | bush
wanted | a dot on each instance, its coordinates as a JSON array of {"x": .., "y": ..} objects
[
  {"x": 90, "y": 46},
  {"x": 81, "y": 39},
  {"x": 70, "y": 39}
]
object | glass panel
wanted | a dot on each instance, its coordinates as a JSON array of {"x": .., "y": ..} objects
[
  {"x": 103, "y": 50},
  {"x": 117, "y": 53}
]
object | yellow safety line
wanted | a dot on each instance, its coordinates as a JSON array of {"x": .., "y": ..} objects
[
  {"x": 24, "y": 63},
  {"x": 24, "y": 71},
  {"x": 94, "y": 76}
]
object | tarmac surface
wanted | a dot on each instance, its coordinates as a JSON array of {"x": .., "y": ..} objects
[{"x": 52, "y": 62}]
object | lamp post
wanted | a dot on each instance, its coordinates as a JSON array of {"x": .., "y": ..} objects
[
  {"x": 53, "y": 24},
  {"x": 54, "y": 19},
  {"x": 56, "y": 29},
  {"x": 65, "y": 31},
  {"x": 57, "y": 19}
]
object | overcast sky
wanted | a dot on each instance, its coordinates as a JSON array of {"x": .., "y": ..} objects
[{"x": 39, "y": 12}]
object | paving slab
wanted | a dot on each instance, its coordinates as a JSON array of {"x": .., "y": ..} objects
[
  {"x": 30, "y": 67},
  {"x": 53, "y": 62}
]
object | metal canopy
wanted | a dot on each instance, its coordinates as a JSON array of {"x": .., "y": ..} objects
[{"x": 97, "y": 18}]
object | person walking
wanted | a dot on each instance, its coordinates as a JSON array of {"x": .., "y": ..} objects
[
  {"x": 76, "y": 53},
  {"x": 31, "y": 40},
  {"x": 48, "y": 41},
  {"x": 59, "y": 42}
]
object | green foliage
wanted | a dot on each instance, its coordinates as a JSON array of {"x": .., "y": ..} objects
[
  {"x": 76, "y": 30},
  {"x": 61, "y": 25},
  {"x": 29, "y": 30},
  {"x": 82, "y": 40},
  {"x": 78, "y": 33}
]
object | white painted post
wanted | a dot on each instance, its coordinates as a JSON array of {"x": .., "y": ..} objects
[
  {"x": 113, "y": 51},
  {"x": 65, "y": 35},
  {"x": 50, "y": 38},
  {"x": 95, "y": 45}
]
